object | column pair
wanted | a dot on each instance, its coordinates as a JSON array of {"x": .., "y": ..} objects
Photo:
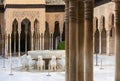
[{"x": 75, "y": 33}]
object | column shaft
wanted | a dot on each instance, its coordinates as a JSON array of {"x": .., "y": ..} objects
[
  {"x": 43, "y": 42},
  {"x": 14, "y": 43},
  {"x": 117, "y": 40},
  {"x": 40, "y": 43},
  {"x": 6, "y": 45},
  {"x": 19, "y": 44},
  {"x": 26, "y": 42},
  {"x": 10, "y": 44},
  {"x": 72, "y": 39},
  {"x": 80, "y": 42},
  {"x": 31, "y": 40},
  {"x": 100, "y": 43},
  {"x": 67, "y": 38},
  {"x": 89, "y": 40},
  {"x": 108, "y": 42},
  {"x": 52, "y": 41}
]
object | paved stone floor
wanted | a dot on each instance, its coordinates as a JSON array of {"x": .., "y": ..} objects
[{"x": 105, "y": 74}]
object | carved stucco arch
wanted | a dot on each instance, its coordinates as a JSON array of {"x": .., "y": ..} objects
[{"x": 102, "y": 23}]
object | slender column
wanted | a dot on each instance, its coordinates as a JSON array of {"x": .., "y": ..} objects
[
  {"x": 100, "y": 43},
  {"x": 67, "y": 38},
  {"x": 40, "y": 42},
  {"x": 52, "y": 41},
  {"x": 89, "y": 40},
  {"x": 10, "y": 45},
  {"x": 61, "y": 37},
  {"x": 26, "y": 42},
  {"x": 72, "y": 39},
  {"x": 14, "y": 43},
  {"x": 108, "y": 42},
  {"x": 117, "y": 40},
  {"x": 31, "y": 40},
  {"x": 80, "y": 42},
  {"x": 56, "y": 40},
  {"x": 6, "y": 45},
  {"x": 37, "y": 42},
  {"x": 19, "y": 44},
  {"x": 43, "y": 41}
]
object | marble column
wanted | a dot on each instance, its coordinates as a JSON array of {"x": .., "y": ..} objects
[
  {"x": 67, "y": 38},
  {"x": 14, "y": 43},
  {"x": 10, "y": 45},
  {"x": 60, "y": 36},
  {"x": 6, "y": 45},
  {"x": 19, "y": 43},
  {"x": 31, "y": 40},
  {"x": 26, "y": 42},
  {"x": 43, "y": 41},
  {"x": 100, "y": 43},
  {"x": 108, "y": 42},
  {"x": 89, "y": 4},
  {"x": 72, "y": 39},
  {"x": 52, "y": 41},
  {"x": 117, "y": 40},
  {"x": 40, "y": 42},
  {"x": 80, "y": 42}
]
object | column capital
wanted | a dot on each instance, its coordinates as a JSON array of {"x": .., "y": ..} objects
[
  {"x": 117, "y": 11},
  {"x": 73, "y": 11},
  {"x": 89, "y": 4}
]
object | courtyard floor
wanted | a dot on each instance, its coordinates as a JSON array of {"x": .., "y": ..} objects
[{"x": 104, "y": 73}]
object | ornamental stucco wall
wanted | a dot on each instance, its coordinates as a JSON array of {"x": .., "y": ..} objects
[
  {"x": 104, "y": 10},
  {"x": 20, "y": 14},
  {"x": 51, "y": 17}
]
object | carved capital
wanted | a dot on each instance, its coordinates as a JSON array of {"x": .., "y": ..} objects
[
  {"x": 89, "y": 4},
  {"x": 67, "y": 11},
  {"x": 73, "y": 11},
  {"x": 117, "y": 12}
]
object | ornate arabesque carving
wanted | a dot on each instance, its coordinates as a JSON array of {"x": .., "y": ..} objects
[{"x": 22, "y": 14}]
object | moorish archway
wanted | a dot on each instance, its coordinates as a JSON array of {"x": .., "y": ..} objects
[
  {"x": 14, "y": 38},
  {"x": 25, "y": 41},
  {"x": 56, "y": 35}
]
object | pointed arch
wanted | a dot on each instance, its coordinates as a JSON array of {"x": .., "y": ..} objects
[
  {"x": 25, "y": 42},
  {"x": 14, "y": 38},
  {"x": 56, "y": 35}
]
